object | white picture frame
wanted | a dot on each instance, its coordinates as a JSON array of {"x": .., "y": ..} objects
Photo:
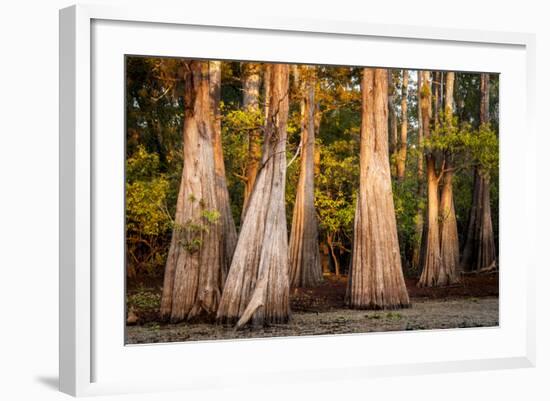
[{"x": 93, "y": 360}]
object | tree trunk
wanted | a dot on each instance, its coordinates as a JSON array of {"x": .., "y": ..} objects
[
  {"x": 419, "y": 218},
  {"x": 447, "y": 218},
  {"x": 392, "y": 122},
  {"x": 251, "y": 92},
  {"x": 193, "y": 273},
  {"x": 325, "y": 259},
  {"x": 229, "y": 233},
  {"x": 479, "y": 248},
  {"x": 448, "y": 233},
  {"x": 305, "y": 266},
  {"x": 335, "y": 258},
  {"x": 257, "y": 287},
  {"x": 431, "y": 258},
  {"x": 375, "y": 279},
  {"x": 402, "y": 153}
]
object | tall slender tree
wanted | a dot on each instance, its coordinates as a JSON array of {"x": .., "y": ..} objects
[
  {"x": 447, "y": 220},
  {"x": 402, "y": 151},
  {"x": 479, "y": 247},
  {"x": 229, "y": 233},
  {"x": 392, "y": 121},
  {"x": 430, "y": 258},
  {"x": 193, "y": 274},
  {"x": 257, "y": 287},
  {"x": 251, "y": 104},
  {"x": 419, "y": 218},
  {"x": 375, "y": 279},
  {"x": 305, "y": 265}
]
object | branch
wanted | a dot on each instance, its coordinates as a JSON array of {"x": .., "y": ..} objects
[
  {"x": 298, "y": 151},
  {"x": 240, "y": 177}
]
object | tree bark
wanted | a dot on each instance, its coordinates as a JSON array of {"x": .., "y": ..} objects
[
  {"x": 251, "y": 92},
  {"x": 229, "y": 233},
  {"x": 392, "y": 122},
  {"x": 479, "y": 247},
  {"x": 419, "y": 218},
  {"x": 430, "y": 258},
  {"x": 402, "y": 153},
  {"x": 193, "y": 273},
  {"x": 257, "y": 287},
  {"x": 447, "y": 219},
  {"x": 305, "y": 266},
  {"x": 375, "y": 279}
]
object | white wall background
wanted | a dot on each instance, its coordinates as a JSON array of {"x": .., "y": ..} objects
[{"x": 29, "y": 199}]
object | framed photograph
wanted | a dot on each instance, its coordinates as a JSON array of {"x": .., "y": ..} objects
[{"x": 274, "y": 199}]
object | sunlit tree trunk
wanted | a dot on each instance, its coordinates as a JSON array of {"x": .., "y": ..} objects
[
  {"x": 419, "y": 218},
  {"x": 305, "y": 266},
  {"x": 402, "y": 153},
  {"x": 193, "y": 273},
  {"x": 375, "y": 279},
  {"x": 447, "y": 218},
  {"x": 257, "y": 287},
  {"x": 251, "y": 92},
  {"x": 229, "y": 233},
  {"x": 430, "y": 258},
  {"x": 392, "y": 122},
  {"x": 479, "y": 249}
]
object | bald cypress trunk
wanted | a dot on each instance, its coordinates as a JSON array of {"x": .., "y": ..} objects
[
  {"x": 305, "y": 266},
  {"x": 229, "y": 233},
  {"x": 419, "y": 218},
  {"x": 251, "y": 91},
  {"x": 257, "y": 287},
  {"x": 447, "y": 219},
  {"x": 402, "y": 152},
  {"x": 392, "y": 123},
  {"x": 193, "y": 274},
  {"x": 431, "y": 257},
  {"x": 479, "y": 247},
  {"x": 375, "y": 278}
]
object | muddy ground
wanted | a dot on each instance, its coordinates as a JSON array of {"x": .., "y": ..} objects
[{"x": 473, "y": 303}]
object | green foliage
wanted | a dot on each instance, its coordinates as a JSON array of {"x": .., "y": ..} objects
[
  {"x": 211, "y": 216},
  {"x": 144, "y": 300},
  {"x": 407, "y": 203},
  {"x": 475, "y": 147},
  {"x": 146, "y": 195},
  {"x": 190, "y": 233},
  {"x": 335, "y": 192},
  {"x": 147, "y": 220}
]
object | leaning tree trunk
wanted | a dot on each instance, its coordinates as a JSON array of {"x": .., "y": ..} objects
[
  {"x": 257, "y": 287},
  {"x": 430, "y": 258},
  {"x": 419, "y": 218},
  {"x": 251, "y": 91},
  {"x": 375, "y": 278},
  {"x": 447, "y": 217},
  {"x": 402, "y": 152},
  {"x": 305, "y": 266},
  {"x": 193, "y": 273},
  {"x": 479, "y": 249},
  {"x": 229, "y": 233}
]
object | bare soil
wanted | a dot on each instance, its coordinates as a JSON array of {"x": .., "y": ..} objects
[{"x": 321, "y": 311}]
